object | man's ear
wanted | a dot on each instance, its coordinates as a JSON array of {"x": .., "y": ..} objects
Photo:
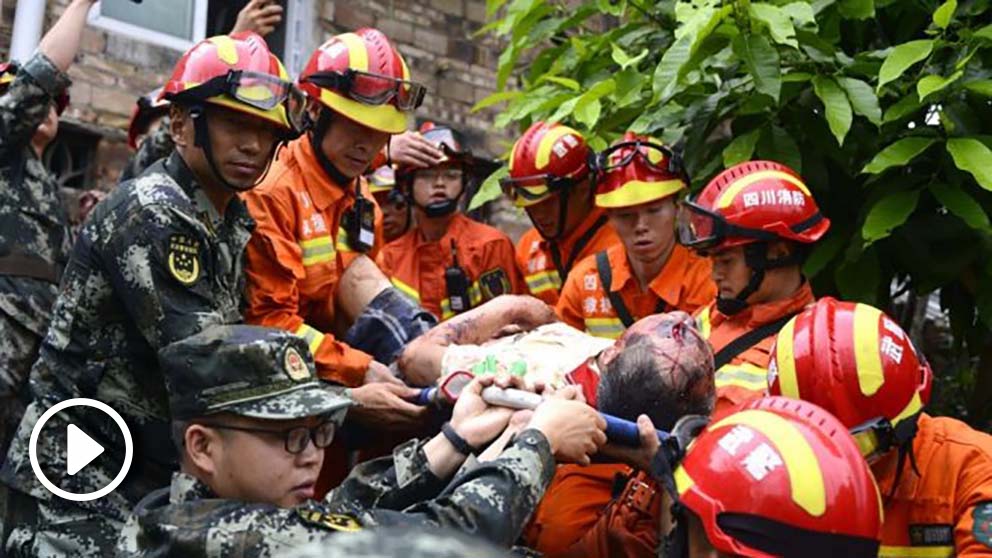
[
  {"x": 180, "y": 125},
  {"x": 780, "y": 249},
  {"x": 202, "y": 448}
]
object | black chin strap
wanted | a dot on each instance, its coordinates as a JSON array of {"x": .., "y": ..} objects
[
  {"x": 903, "y": 435},
  {"x": 756, "y": 258},
  {"x": 201, "y": 139},
  {"x": 318, "y": 131}
]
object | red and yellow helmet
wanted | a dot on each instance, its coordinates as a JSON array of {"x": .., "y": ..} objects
[
  {"x": 362, "y": 76},
  {"x": 636, "y": 170},
  {"x": 780, "y": 475},
  {"x": 382, "y": 180},
  {"x": 857, "y": 363},
  {"x": 237, "y": 71},
  {"x": 547, "y": 159},
  {"x": 751, "y": 202}
]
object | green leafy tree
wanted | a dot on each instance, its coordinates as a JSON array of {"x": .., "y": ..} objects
[{"x": 882, "y": 105}]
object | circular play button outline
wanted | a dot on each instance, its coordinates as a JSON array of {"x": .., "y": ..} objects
[{"x": 33, "y": 449}]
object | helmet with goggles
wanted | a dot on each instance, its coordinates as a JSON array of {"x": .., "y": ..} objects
[
  {"x": 361, "y": 76},
  {"x": 775, "y": 478},
  {"x": 238, "y": 72},
  {"x": 547, "y": 159},
  {"x": 636, "y": 170},
  {"x": 8, "y": 71},
  {"x": 857, "y": 363},
  {"x": 382, "y": 180},
  {"x": 751, "y": 202}
]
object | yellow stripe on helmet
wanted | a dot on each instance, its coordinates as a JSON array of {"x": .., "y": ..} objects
[
  {"x": 683, "y": 482},
  {"x": 637, "y": 192},
  {"x": 805, "y": 476},
  {"x": 227, "y": 49},
  {"x": 548, "y": 142},
  {"x": 358, "y": 55},
  {"x": 785, "y": 361},
  {"x": 866, "y": 353},
  {"x": 728, "y": 195}
]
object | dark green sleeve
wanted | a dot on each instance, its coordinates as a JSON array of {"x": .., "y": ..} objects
[{"x": 25, "y": 104}]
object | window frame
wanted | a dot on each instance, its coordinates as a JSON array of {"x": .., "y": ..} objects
[{"x": 152, "y": 36}]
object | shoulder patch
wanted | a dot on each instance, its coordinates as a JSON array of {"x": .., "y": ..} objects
[
  {"x": 332, "y": 521},
  {"x": 184, "y": 258},
  {"x": 981, "y": 529},
  {"x": 935, "y": 534},
  {"x": 494, "y": 283}
]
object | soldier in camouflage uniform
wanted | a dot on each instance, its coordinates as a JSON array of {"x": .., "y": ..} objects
[
  {"x": 34, "y": 227},
  {"x": 247, "y": 404},
  {"x": 405, "y": 542},
  {"x": 158, "y": 260}
]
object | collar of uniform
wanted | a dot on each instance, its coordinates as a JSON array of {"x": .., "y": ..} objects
[
  {"x": 455, "y": 230},
  {"x": 322, "y": 189},
  {"x": 667, "y": 285},
  {"x": 187, "y": 488},
  {"x": 757, "y": 315},
  {"x": 567, "y": 244},
  {"x": 235, "y": 212}
]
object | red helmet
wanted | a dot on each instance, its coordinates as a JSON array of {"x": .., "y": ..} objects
[
  {"x": 779, "y": 475},
  {"x": 362, "y": 76},
  {"x": 857, "y": 363},
  {"x": 636, "y": 170},
  {"x": 548, "y": 158},
  {"x": 751, "y": 202},
  {"x": 148, "y": 107},
  {"x": 237, "y": 71},
  {"x": 8, "y": 71}
]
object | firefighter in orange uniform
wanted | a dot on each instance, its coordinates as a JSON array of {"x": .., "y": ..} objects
[
  {"x": 397, "y": 216},
  {"x": 551, "y": 178},
  {"x": 314, "y": 211},
  {"x": 648, "y": 273},
  {"x": 755, "y": 221},
  {"x": 448, "y": 263},
  {"x": 934, "y": 473}
]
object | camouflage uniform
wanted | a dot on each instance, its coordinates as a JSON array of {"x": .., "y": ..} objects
[
  {"x": 156, "y": 145},
  {"x": 155, "y": 262},
  {"x": 492, "y": 500},
  {"x": 34, "y": 233},
  {"x": 406, "y": 542}
]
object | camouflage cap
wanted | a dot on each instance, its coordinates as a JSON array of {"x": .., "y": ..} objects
[
  {"x": 252, "y": 371},
  {"x": 406, "y": 541}
]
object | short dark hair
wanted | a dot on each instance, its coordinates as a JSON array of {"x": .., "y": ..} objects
[{"x": 638, "y": 382}]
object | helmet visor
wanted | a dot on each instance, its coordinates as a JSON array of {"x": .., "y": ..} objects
[
  {"x": 260, "y": 91},
  {"x": 372, "y": 89},
  {"x": 698, "y": 228},
  {"x": 874, "y": 438}
]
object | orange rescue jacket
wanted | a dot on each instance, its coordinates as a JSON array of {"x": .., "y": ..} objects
[
  {"x": 947, "y": 509},
  {"x": 298, "y": 253},
  {"x": 416, "y": 266},
  {"x": 684, "y": 283},
  {"x": 536, "y": 256},
  {"x": 745, "y": 377}
]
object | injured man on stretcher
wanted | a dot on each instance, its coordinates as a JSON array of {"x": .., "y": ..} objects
[{"x": 515, "y": 334}]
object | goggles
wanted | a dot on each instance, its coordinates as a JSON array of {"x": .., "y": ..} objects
[
  {"x": 527, "y": 190},
  {"x": 372, "y": 89},
  {"x": 874, "y": 438},
  {"x": 701, "y": 229},
  {"x": 261, "y": 91},
  {"x": 651, "y": 153}
]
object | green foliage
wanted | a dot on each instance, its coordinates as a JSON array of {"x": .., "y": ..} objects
[{"x": 884, "y": 107}]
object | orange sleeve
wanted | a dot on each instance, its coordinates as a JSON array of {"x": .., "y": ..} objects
[
  {"x": 274, "y": 265},
  {"x": 569, "y": 307},
  {"x": 973, "y": 508},
  {"x": 702, "y": 289},
  {"x": 627, "y": 527},
  {"x": 571, "y": 505}
]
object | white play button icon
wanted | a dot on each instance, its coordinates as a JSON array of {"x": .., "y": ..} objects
[{"x": 80, "y": 449}]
